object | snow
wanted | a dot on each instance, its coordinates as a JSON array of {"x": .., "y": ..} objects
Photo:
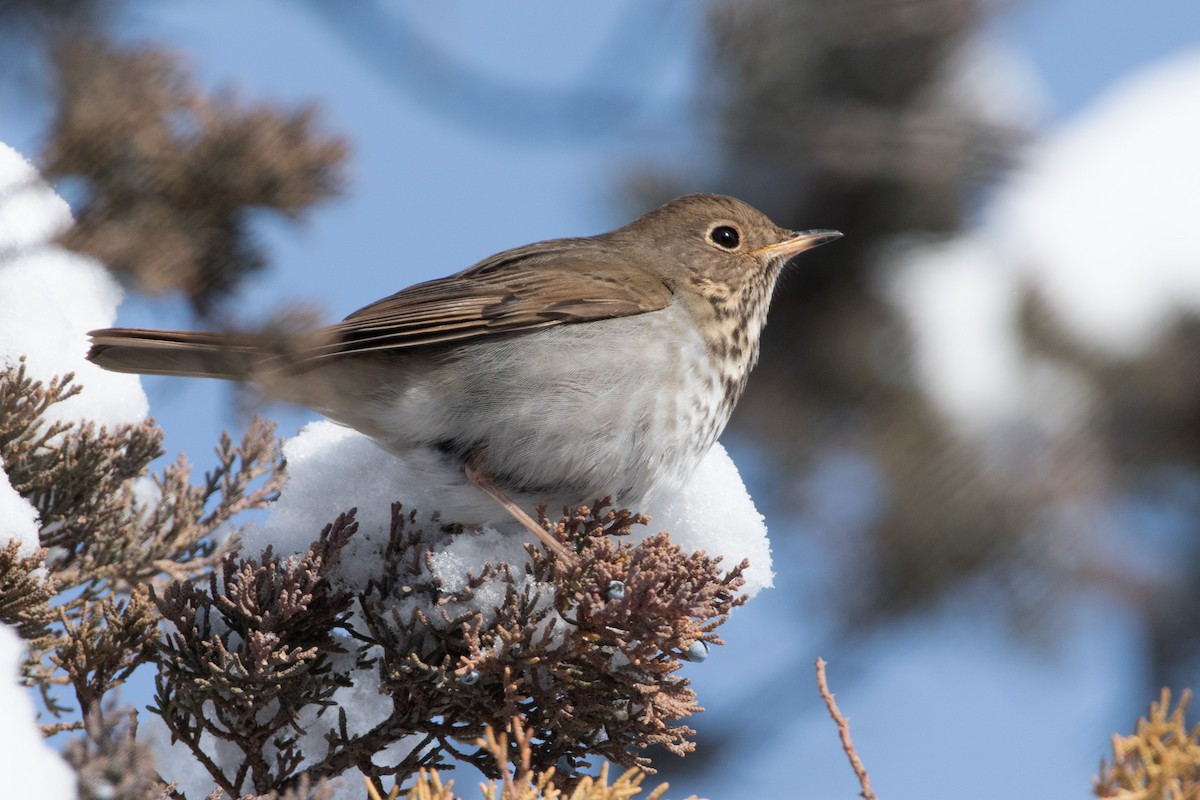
[
  {"x": 1098, "y": 225},
  {"x": 333, "y": 469},
  {"x": 18, "y": 519},
  {"x": 29, "y": 215},
  {"x": 31, "y": 768},
  {"x": 962, "y": 307},
  {"x": 50, "y": 298},
  {"x": 175, "y": 762},
  {"x": 995, "y": 83},
  {"x": 713, "y": 512},
  {"x": 1101, "y": 218}
]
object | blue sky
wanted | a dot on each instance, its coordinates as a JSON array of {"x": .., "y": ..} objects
[
  {"x": 1080, "y": 47},
  {"x": 435, "y": 184}
]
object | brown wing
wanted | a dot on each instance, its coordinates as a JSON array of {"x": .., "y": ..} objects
[{"x": 523, "y": 289}]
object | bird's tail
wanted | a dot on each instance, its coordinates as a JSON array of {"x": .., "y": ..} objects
[{"x": 185, "y": 353}]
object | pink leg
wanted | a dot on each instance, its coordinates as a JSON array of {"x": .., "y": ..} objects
[{"x": 483, "y": 482}]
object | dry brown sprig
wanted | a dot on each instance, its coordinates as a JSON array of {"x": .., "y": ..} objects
[
  {"x": 1160, "y": 761},
  {"x": 76, "y": 477},
  {"x": 249, "y": 654},
  {"x": 104, "y": 644},
  {"x": 111, "y": 763},
  {"x": 591, "y": 673},
  {"x": 627, "y": 648},
  {"x": 102, "y": 542},
  {"x": 172, "y": 174},
  {"x": 79, "y": 478},
  {"x": 526, "y": 784},
  {"x": 843, "y": 726},
  {"x": 304, "y": 789},
  {"x": 25, "y": 594}
]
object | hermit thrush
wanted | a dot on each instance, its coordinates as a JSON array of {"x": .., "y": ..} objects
[{"x": 568, "y": 369}]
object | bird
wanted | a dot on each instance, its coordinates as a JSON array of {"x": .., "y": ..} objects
[{"x": 567, "y": 369}]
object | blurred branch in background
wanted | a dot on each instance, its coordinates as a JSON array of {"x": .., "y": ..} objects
[
  {"x": 30, "y": 24},
  {"x": 855, "y": 116},
  {"x": 893, "y": 122},
  {"x": 164, "y": 178},
  {"x": 606, "y": 99},
  {"x": 863, "y": 116},
  {"x": 170, "y": 175}
]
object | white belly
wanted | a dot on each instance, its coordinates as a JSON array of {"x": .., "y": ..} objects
[{"x": 624, "y": 407}]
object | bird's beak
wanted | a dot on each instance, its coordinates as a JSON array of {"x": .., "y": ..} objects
[{"x": 801, "y": 241}]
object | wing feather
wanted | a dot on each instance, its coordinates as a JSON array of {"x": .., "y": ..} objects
[{"x": 511, "y": 292}]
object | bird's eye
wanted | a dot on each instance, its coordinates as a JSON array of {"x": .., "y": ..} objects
[{"x": 725, "y": 236}]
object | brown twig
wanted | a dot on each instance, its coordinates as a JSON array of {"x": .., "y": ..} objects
[{"x": 843, "y": 726}]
